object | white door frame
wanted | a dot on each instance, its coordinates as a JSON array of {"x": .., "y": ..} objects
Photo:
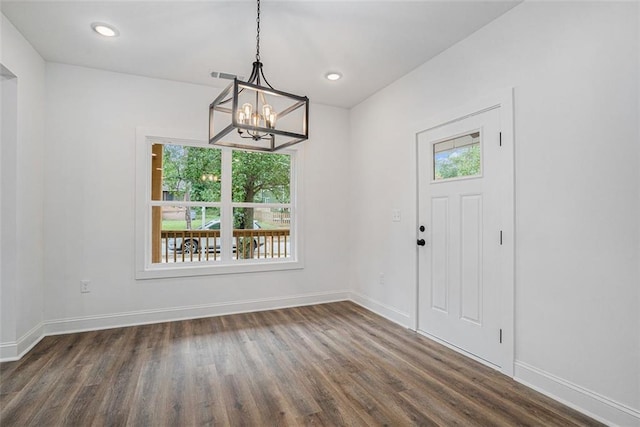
[{"x": 504, "y": 100}]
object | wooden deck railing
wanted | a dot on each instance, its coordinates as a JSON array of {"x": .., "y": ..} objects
[{"x": 205, "y": 245}]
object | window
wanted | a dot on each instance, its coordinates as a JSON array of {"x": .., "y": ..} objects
[
  {"x": 457, "y": 157},
  {"x": 208, "y": 210}
]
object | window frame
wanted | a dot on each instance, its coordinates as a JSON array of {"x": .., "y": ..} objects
[{"x": 145, "y": 269}]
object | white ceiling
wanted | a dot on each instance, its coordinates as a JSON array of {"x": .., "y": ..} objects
[{"x": 372, "y": 43}]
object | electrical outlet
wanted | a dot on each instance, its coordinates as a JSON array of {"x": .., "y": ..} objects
[
  {"x": 395, "y": 215},
  {"x": 84, "y": 286},
  {"x": 381, "y": 278}
]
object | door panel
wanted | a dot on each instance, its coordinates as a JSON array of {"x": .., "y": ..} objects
[
  {"x": 471, "y": 258},
  {"x": 440, "y": 254}
]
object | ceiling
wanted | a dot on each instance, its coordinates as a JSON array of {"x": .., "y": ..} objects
[{"x": 372, "y": 43}]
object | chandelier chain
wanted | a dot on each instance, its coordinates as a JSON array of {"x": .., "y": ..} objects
[{"x": 258, "y": 34}]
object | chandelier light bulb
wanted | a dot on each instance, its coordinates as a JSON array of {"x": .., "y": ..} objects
[
  {"x": 269, "y": 116},
  {"x": 255, "y": 119},
  {"x": 247, "y": 109},
  {"x": 272, "y": 121}
]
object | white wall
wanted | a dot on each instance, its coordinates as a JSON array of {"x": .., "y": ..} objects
[
  {"x": 21, "y": 283},
  {"x": 89, "y": 223},
  {"x": 575, "y": 68}
]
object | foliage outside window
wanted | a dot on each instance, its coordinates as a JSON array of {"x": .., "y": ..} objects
[
  {"x": 457, "y": 157},
  {"x": 219, "y": 206}
]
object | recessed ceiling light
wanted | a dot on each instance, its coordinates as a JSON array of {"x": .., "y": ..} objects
[
  {"x": 105, "y": 30},
  {"x": 333, "y": 76}
]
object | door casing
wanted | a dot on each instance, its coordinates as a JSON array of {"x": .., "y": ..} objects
[{"x": 504, "y": 101}]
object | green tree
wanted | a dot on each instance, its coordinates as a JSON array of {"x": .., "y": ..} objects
[
  {"x": 254, "y": 174},
  {"x": 462, "y": 162},
  {"x": 173, "y": 166},
  {"x": 202, "y": 171},
  {"x": 174, "y": 175}
]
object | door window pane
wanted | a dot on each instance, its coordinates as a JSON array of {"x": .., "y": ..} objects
[{"x": 457, "y": 157}]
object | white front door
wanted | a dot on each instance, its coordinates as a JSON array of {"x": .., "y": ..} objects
[{"x": 463, "y": 202}]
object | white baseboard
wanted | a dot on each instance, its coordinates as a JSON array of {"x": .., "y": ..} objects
[
  {"x": 382, "y": 309},
  {"x": 143, "y": 317},
  {"x": 8, "y": 351},
  {"x": 11, "y": 351},
  {"x": 14, "y": 350},
  {"x": 586, "y": 401}
]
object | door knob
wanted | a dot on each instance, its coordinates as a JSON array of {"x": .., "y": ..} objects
[{"x": 421, "y": 242}]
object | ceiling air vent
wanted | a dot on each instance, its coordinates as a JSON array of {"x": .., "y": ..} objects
[{"x": 226, "y": 76}]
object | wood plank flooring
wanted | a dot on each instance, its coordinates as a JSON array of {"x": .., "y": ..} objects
[{"x": 332, "y": 364}]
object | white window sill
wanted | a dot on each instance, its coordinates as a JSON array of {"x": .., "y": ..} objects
[{"x": 160, "y": 271}]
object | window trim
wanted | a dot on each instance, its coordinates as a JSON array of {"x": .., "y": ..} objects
[{"x": 144, "y": 269}]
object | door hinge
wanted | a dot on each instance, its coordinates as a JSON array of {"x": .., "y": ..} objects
[
  {"x": 500, "y": 139},
  {"x": 501, "y": 237},
  {"x": 500, "y": 336}
]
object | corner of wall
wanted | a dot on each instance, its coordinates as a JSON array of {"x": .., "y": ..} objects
[
  {"x": 12, "y": 351},
  {"x": 27, "y": 191},
  {"x": 381, "y": 309}
]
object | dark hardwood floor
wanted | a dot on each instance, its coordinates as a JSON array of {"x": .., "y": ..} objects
[{"x": 330, "y": 364}]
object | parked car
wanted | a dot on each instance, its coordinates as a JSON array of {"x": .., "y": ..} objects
[{"x": 195, "y": 244}]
